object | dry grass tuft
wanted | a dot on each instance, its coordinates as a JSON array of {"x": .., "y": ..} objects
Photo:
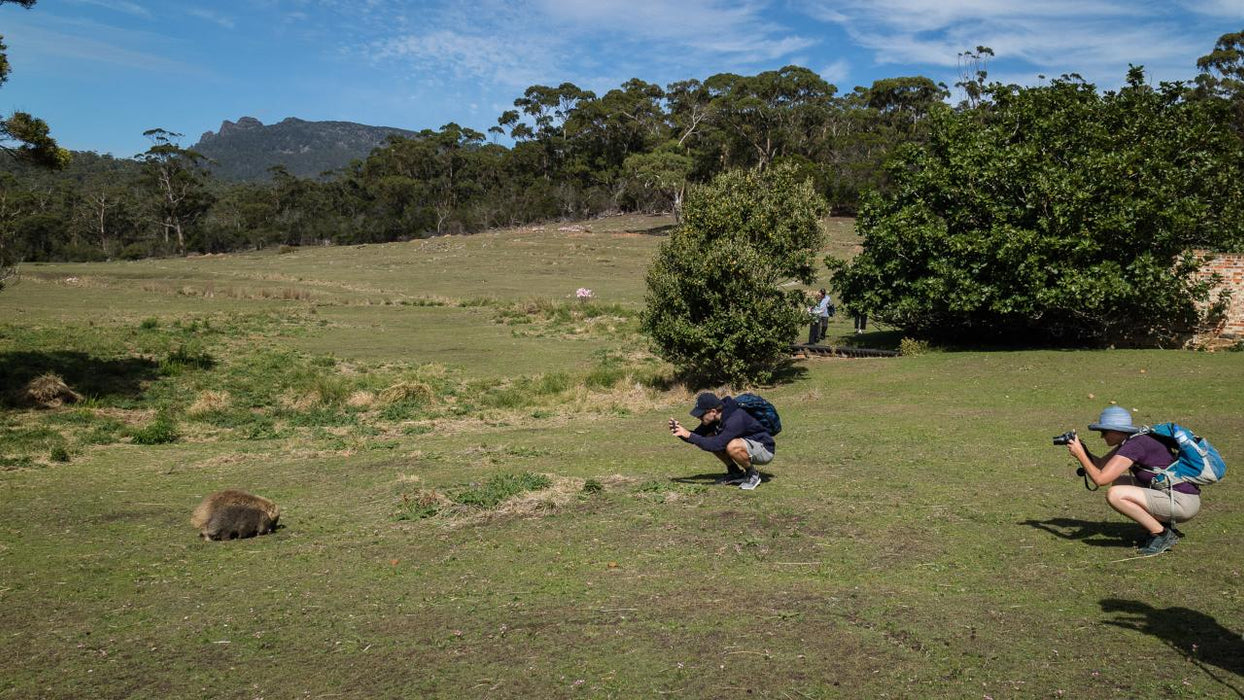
[
  {"x": 408, "y": 391},
  {"x": 209, "y": 402},
  {"x": 50, "y": 390},
  {"x": 361, "y": 399},
  {"x": 530, "y": 504},
  {"x": 302, "y": 402},
  {"x": 628, "y": 395}
]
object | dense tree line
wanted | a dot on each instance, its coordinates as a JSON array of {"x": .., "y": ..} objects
[{"x": 570, "y": 154}]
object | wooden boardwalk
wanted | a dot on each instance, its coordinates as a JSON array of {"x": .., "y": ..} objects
[{"x": 839, "y": 351}]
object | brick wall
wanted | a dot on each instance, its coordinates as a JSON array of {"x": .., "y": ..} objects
[{"x": 1230, "y": 266}]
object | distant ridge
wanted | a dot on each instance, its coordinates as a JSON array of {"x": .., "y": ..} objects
[{"x": 245, "y": 149}]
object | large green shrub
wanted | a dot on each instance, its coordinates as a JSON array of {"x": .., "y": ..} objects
[
  {"x": 1054, "y": 213},
  {"x": 715, "y": 306}
]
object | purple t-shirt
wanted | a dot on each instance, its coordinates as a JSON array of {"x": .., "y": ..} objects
[{"x": 1147, "y": 451}]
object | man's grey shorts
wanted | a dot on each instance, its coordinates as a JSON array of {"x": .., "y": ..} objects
[{"x": 757, "y": 452}]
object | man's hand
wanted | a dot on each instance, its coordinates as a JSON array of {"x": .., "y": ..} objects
[{"x": 677, "y": 430}]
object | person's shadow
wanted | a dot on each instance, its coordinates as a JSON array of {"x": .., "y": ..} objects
[
  {"x": 1098, "y": 534},
  {"x": 1192, "y": 635},
  {"x": 711, "y": 478}
]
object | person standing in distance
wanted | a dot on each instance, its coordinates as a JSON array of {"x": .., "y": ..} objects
[
  {"x": 820, "y": 317},
  {"x": 1133, "y": 494},
  {"x": 732, "y": 435}
]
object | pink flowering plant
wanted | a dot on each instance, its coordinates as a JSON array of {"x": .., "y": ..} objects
[{"x": 583, "y": 294}]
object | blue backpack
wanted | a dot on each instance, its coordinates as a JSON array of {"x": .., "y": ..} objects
[
  {"x": 762, "y": 411},
  {"x": 1196, "y": 462}
]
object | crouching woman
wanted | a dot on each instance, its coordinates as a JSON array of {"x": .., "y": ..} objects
[{"x": 1129, "y": 468}]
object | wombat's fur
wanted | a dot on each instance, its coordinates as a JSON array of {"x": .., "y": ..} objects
[{"x": 230, "y": 515}]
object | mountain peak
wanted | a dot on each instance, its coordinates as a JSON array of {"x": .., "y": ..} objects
[{"x": 246, "y": 149}]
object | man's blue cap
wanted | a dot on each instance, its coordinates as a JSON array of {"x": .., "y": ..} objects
[{"x": 705, "y": 402}]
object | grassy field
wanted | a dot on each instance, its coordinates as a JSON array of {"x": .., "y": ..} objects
[{"x": 917, "y": 535}]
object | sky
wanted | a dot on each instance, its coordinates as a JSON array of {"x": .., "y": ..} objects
[{"x": 101, "y": 72}]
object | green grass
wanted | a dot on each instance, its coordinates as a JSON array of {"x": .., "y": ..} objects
[{"x": 917, "y": 535}]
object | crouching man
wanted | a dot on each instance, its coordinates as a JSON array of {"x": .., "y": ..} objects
[{"x": 732, "y": 435}]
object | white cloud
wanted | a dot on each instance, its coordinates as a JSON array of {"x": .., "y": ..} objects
[
  {"x": 125, "y": 6},
  {"x": 211, "y": 16},
  {"x": 1096, "y": 38},
  {"x": 1225, "y": 9},
  {"x": 522, "y": 42},
  {"x": 505, "y": 60},
  {"x": 837, "y": 73},
  {"x": 721, "y": 27},
  {"x": 92, "y": 42}
]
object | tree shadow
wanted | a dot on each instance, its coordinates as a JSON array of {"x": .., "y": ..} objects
[
  {"x": 788, "y": 372},
  {"x": 1098, "y": 534},
  {"x": 1195, "y": 636},
  {"x": 89, "y": 376},
  {"x": 663, "y": 230}
]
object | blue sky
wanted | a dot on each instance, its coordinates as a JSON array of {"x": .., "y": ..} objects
[{"x": 101, "y": 72}]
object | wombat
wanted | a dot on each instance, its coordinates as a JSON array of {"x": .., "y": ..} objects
[{"x": 231, "y": 514}]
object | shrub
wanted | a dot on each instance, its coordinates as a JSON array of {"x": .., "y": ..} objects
[
  {"x": 422, "y": 504},
  {"x": 160, "y": 431},
  {"x": 59, "y": 454},
  {"x": 714, "y": 307},
  {"x": 499, "y": 488},
  {"x": 909, "y": 347},
  {"x": 1053, "y": 213},
  {"x": 184, "y": 356},
  {"x": 604, "y": 376}
]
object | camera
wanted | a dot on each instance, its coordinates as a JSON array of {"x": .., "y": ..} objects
[{"x": 1065, "y": 437}]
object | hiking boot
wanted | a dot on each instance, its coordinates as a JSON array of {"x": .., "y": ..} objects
[
  {"x": 1160, "y": 542},
  {"x": 752, "y": 481}
]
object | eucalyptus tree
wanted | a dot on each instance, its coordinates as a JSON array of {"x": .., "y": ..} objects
[
  {"x": 177, "y": 180},
  {"x": 1227, "y": 60},
  {"x": 25, "y": 138},
  {"x": 770, "y": 114}
]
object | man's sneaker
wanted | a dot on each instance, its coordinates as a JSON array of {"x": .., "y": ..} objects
[
  {"x": 732, "y": 478},
  {"x": 753, "y": 480},
  {"x": 1160, "y": 543}
]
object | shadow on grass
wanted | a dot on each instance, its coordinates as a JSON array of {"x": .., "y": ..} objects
[
  {"x": 1098, "y": 534},
  {"x": 89, "y": 376},
  {"x": 787, "y": 371},
  {"x": 662, "y": 230},
  {"x": 711, "y": 478},
  {"x": 875, "y": 339},
  {"x": 1192, "y": 635}
]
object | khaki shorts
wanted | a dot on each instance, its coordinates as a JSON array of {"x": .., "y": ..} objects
[
  {"x": 758, "y": 453},
  {"x": 1158, "y": 502}
]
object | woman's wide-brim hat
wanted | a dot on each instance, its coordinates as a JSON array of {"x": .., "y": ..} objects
[{"x": 1115, "y": 418}]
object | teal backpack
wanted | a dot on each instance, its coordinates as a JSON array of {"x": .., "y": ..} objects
[{"x": 1196, "y": 462}]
